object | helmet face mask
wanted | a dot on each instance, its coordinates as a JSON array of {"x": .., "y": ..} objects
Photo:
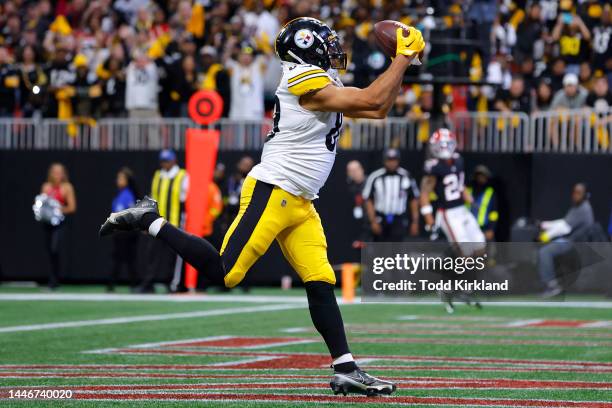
[
  {"x": 307, "y": 40},
  {"x": 442, "y": 144},
  {"x": 337, "y": 57}
]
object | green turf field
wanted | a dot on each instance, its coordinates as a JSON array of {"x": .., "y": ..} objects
[{"x": 261, "y": 350}]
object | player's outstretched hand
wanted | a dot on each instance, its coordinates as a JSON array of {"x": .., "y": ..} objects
[{"x": 409, "y": 45}]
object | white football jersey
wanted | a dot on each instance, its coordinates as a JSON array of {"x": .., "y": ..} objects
[{"x": 301, "y": 148}]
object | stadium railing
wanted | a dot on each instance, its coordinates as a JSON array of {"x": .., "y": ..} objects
[
  {"x": 571, "y": 131},
  {"x": 491, "y": 131},
  {"x": 575, "y": 131}
]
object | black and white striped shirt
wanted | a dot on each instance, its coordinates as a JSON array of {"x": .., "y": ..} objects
[{"x": 390, "y": 191}]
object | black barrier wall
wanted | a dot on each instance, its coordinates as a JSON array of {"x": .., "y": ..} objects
[{"x": 528, "y": 185}]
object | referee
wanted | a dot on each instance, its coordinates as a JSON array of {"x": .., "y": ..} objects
[{"x": 389, "y": 192}]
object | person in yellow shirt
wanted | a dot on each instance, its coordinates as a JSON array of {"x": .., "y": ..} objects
[{"x": 214, "y": 77}]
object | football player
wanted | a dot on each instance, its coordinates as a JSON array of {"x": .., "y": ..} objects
[
  {"x": 445, "y": 176},
  {"x": 276, "y": 198}
]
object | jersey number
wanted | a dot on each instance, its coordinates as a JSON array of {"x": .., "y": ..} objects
[
  {"x": 453, "y": 186},
  {"x": 334, "y": 133},
  {"x": 276, "y": 119}
]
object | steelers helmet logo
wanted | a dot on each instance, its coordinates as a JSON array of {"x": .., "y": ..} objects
[{"x": 303, "y": 38}]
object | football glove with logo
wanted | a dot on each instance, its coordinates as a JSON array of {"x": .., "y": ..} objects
[{"x": 411, "y": 44}]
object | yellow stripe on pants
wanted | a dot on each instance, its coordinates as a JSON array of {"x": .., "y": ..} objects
[{"x": 292, "y": 221}]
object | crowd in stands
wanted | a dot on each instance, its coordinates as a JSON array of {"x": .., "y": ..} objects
[{"x": 143, "y": 58}]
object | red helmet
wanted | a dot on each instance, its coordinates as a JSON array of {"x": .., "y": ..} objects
[{"x": 442, "y": 143}]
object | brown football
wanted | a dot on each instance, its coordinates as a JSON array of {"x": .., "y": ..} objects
[{"x": 385, "y": 33}]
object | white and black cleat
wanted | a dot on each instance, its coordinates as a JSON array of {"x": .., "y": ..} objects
[
  {"x": 129, "y": 219},
  {"x": 360, "y": 382},
  {"x": 447, "y": 301}
]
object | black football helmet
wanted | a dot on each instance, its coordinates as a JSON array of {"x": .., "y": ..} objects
[{"x": 306, "y": 40}]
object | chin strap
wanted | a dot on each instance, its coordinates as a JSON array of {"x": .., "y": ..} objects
[{"x": 295, "y": 57}]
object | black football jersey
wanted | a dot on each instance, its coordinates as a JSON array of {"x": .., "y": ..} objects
[{"x": 450, "y": 180}]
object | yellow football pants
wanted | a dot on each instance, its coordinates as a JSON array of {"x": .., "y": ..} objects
[{"x": 266, "y": 213}]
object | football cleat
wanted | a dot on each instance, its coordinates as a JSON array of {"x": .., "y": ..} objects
[
  {"x": 447, "y": 301},
  {"x": 129, "y": 219},
  {"x": 470, "y": 299},
  {"x": 553, "y": 288},
  {"x": 360, "y": 382}
]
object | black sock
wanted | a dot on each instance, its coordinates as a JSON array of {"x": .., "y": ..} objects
[
  {"x": 194, "y": 250},
  {"x": 327, "y": 319},
  {"x": 345, "y": 367},
  {"x": 147, "y": 219}
]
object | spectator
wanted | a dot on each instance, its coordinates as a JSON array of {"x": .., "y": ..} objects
[
  {"x": 600, "y": 101},
  {"x": 402, "y": 104},
  {"x": 213, "y": 76},
  {"x": 573, "y": 37},
  {"x": 391, "y": 197},
  {"x": 514, "y": 99},
  {"x": 141, "y": 87},
  {"x": 167, "y": 33},
  {"x": 113, "y": 76},
  {"x": 234, "y": 185},
  {"x": 58, "y": 187},
  {"x": 87, "y": 91},
  {"x": 585, "y": 76},
  {"x": 355, "y": 178},
  {"x": 527, "y": 72},
  {"x": 422, "y": 109},
  {"x": 550, "y": 11},
  {"x": 483, "y": 14},
  {"x": 543, "y": 96},
  {"x": 529, "y": 34},
  {"x": 187, "y": 82},
  {"x": 602, "y": 35},
  {"x": 555, "y": 73},
  {"x": 247, "y": 86},
  {"x": 484, "y": 201},
  {"x": 12, "y": 30},
  {"x": 124, "y": 253},
  {"x": 503, "y": 35},
  {"x": 600, "y": 98},
  {"x": 60, "y": 75},
  {"x": 128, "y": 9},
  {"x": 572, "y": 96},
  {"x": 498, "y": 71},
  {"x": 558, "y": 236},
  {"x": 32, "y": 83},
  {"x": 9, "y": 82}
]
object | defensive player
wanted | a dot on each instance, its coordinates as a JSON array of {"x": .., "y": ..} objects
[
  {"x": 444, "y": 175},
  {"x": 276, "y": 199}
]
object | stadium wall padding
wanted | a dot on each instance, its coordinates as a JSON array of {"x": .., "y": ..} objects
[{"x": 528, "y": 185}]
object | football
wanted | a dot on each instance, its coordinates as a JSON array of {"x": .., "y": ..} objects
[{"x": 385, "y": 33}]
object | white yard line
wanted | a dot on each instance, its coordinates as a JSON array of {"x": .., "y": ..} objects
[
  {"x": 187, "y": 342},
  {"x": 106, "y": 297},
  {"x": 147, "y": 318},
  {"x": 597, "y": 324},
  {"x": 175, "y": 342},
  {"x": 245, "y": 361},
  {"x": 111, "y": 297},
  {"x": 523, "y": 323}
]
